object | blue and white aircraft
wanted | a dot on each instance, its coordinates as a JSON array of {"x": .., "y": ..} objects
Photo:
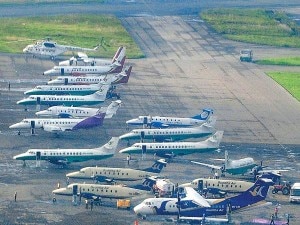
[
  {"x": 61, "y": 124},
  {"x": 66, "y": 156},
  {"x": 191, "y": 205},
  {"x": 163, "y": 122},
  {"x": 67, "y": 100},
  {"x": 79, "y": 112},
  {"x": 84, "y": 80},
  {"x": 173, "y": 134},
  {"x": 165, "y": 149}
]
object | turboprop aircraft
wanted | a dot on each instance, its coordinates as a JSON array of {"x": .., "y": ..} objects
[
  {"x": 67, "y": 100},
  {"x": 66, "y": 156},
  {"x": 73, "y": 80},
  {"x": 52, "y": 49},
  {"x": 79, "y": 112},
  {"x": 83, "y": 60},
  {"x": 191, "y": 205},
  {"x": 163, "y": 122},
  {"x": 173, "y": 134},
  {"x": 106, "y": 174},
  {"x": 115, "y": 67},
  {"x": 92, "y": 191},
  {"x": 167, "y": 149},
  {"x": 59, "y": 125}
]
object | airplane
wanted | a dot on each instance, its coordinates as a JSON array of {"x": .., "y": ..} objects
[
  {"x": 176, "y": 148},
  {"x": 93, "y": 191},
  {"x": 72, "y": 80},
  {"x": 79, "y": 112},
  {"x": 52, "y": 49},
  {"x": 172, "y": 134},
  {"x": 163, "y": 122},
  {"x": 115, "y": 67},
  {"x": 57, "y": 125},
  {"x": 83, "y": 60},
  {"x": 191, "y": 205},
  {"x": 67, "y": 100},
  {"x": 106, "y": 174},
  {"x": 79, "y": 89},
  {"x": 67, "y": 156}
]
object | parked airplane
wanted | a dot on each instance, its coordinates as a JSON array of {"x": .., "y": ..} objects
[
  {"x": 224, "y": 185},
  {"x": 172, "y": 134},
  {"x": 159, "y": 121},
  {"x": 92, "y": 191},
  {"x": 73, "y": 80},
  {"x": 79, "y": 112},
  {"x": 106, "y": 174},
  {"x": 116, "y": 67},
  {"x": 61, "y": 124},
  {"x": 52, "y": 49},
  {"x": 190, "y": 208},
  {"x": 67, "y": 100},
  {"x": 176, "y": 148},
  {"x": 83, "y": 60},
  {"x": 66, "y": 156}
]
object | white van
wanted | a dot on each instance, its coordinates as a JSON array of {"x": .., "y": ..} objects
[{"x": 295, "y": 193}]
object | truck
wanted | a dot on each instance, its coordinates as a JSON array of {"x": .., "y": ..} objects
[
  {"x": 246, "y": 55},
  {"x": 164, "y": 188},
  {"x": 123, "y": 204},
  {"x": 295, "y": 193}
]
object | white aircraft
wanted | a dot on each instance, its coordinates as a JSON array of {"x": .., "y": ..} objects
[
  {"x": 79, "y": 112},
  {"x": 66, "y": 156},
  {"x": 73, "y": 80},
  {"x": 67, "y": 100},
  {"x": 83, "y": 60},
  {"x": 173, "y": 134},
  {"x": 52, "y": 49},
  {"x": 93, "y": 191},
  {"x": 176, "y": 148},
  {"x": 115, "y": 67},
  {"x": 162, "y": 122},
  {"x": 106, "y": 174},
  {"x": 59, "y": 125}
]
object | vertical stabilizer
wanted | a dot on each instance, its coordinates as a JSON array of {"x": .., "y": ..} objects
[{"x": 157, "y": 166}]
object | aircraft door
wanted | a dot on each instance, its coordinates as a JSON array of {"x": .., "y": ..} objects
[
  {"x": 62, "y": 71},
  {"x": 145, "y": 120},
  {"x": 142, "y": 136},
  {"x": 75, "y": 189},
  {"x": 144, "y": 149},
  {"x": 38, "y": 100},
  {"x": 200, "y": 185},
  {"x": 38, "y": 155},
  {"x": 66, "y": 81},
  {"x": 32, "y": 126}
]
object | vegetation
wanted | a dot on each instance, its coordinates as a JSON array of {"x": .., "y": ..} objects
[
  {"x": 254, "y": 26},
  {"x": 289, "y": 80},
  {"x": 76, "y": 29},
  {"x": 290, "y": 61},
  {"x": 44, "y": 1}
]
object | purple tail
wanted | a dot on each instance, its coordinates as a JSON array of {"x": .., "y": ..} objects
[{"x": 93, "y": 121}]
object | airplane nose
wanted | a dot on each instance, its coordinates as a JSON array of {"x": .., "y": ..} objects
[
  {"x": 133, "y": 122},
  {"x": 60, "y": 191},
  {"x": 42, "y": 113},
  {"x": 14, "y": 126},
  {"x": 73, "y": 175},
  {"x": 125, "y": 136}
]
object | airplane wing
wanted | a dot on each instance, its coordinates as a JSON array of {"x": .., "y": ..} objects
[
  {"x": 82, "y": 55},
  {"x": 208, "y": 165},
  {"x": 196, "y": 198},
  {"x": 206, "y": 219},
  {"x": 159, "y": 125},
  {"x": 53, "y": 129}
]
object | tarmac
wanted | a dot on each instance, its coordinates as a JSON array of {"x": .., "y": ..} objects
[{"x": 187, "y": 67}]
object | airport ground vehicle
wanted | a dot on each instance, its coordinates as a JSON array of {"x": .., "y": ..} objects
[
  {"x": 123, "y": 204},
  {"x": 295, "y": 193},
  {"x": 246, "y": 55},
  {"x": 285, "y": 188}
]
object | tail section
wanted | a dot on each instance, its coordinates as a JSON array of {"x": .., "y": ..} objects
[
  {"x": 112, "y": 145},
  {"x": 101, "y": 93},
  {"x": 93, "y": 121},
  {"x": 206, "y": 113},
  {"x": 112, "y": 108},
  {"x": 215, "y": 140},
  {"x": 157, "y": 166},
  {"x": 119, "y": 64},
  {"x": 121, "y": 52},
  {"x": 211, "y": 122},
  {"x": 125, "y": 78}
]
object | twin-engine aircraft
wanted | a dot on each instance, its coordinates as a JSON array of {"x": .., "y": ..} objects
[
  {"x": 105, "y": 174},
  {"x": 79, "y": 112},
  {"x": 84, "y": 80},
  {"x": 52, "y": 49},
  {"x": 192, "y": 206},
  {"x": 66, "y": 156},
  {"x": 55, "y": 125},
  {"x": 163, "y": 122},
  {"x": 167, "y": 149},
  {"x": 173, "y": 134},
  {"x": 83, "y": 60}
]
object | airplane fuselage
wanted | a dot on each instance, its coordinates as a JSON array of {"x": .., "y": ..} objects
[
  {"x": 79, "y": 70},
  {"x": 241, "y": 166},
  {"x": 81, "y": 80},
  {"x": 64, "y": 111}
]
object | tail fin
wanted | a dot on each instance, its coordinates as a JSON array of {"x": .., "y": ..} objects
[
  {"x": 89, "y": 122},
  {"x": 121, "y": 52},
  {"x": 101, "y": 93},
  {"x": 215, "y": 140},
  {"x": 157, "y": 166},
  {"x": 112, "y": 108},
  {"x": 118, "y": 65},
  {"x": 211, "y": 122},
  {"x": 258, "y": 192},
  {"x": 112, "y": 145},
  {"x": 206, "y": 113},
  {"x": 124, "y": 79}
]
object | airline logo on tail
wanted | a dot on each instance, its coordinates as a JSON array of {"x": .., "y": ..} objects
[{"x": 257, "y": 192}]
